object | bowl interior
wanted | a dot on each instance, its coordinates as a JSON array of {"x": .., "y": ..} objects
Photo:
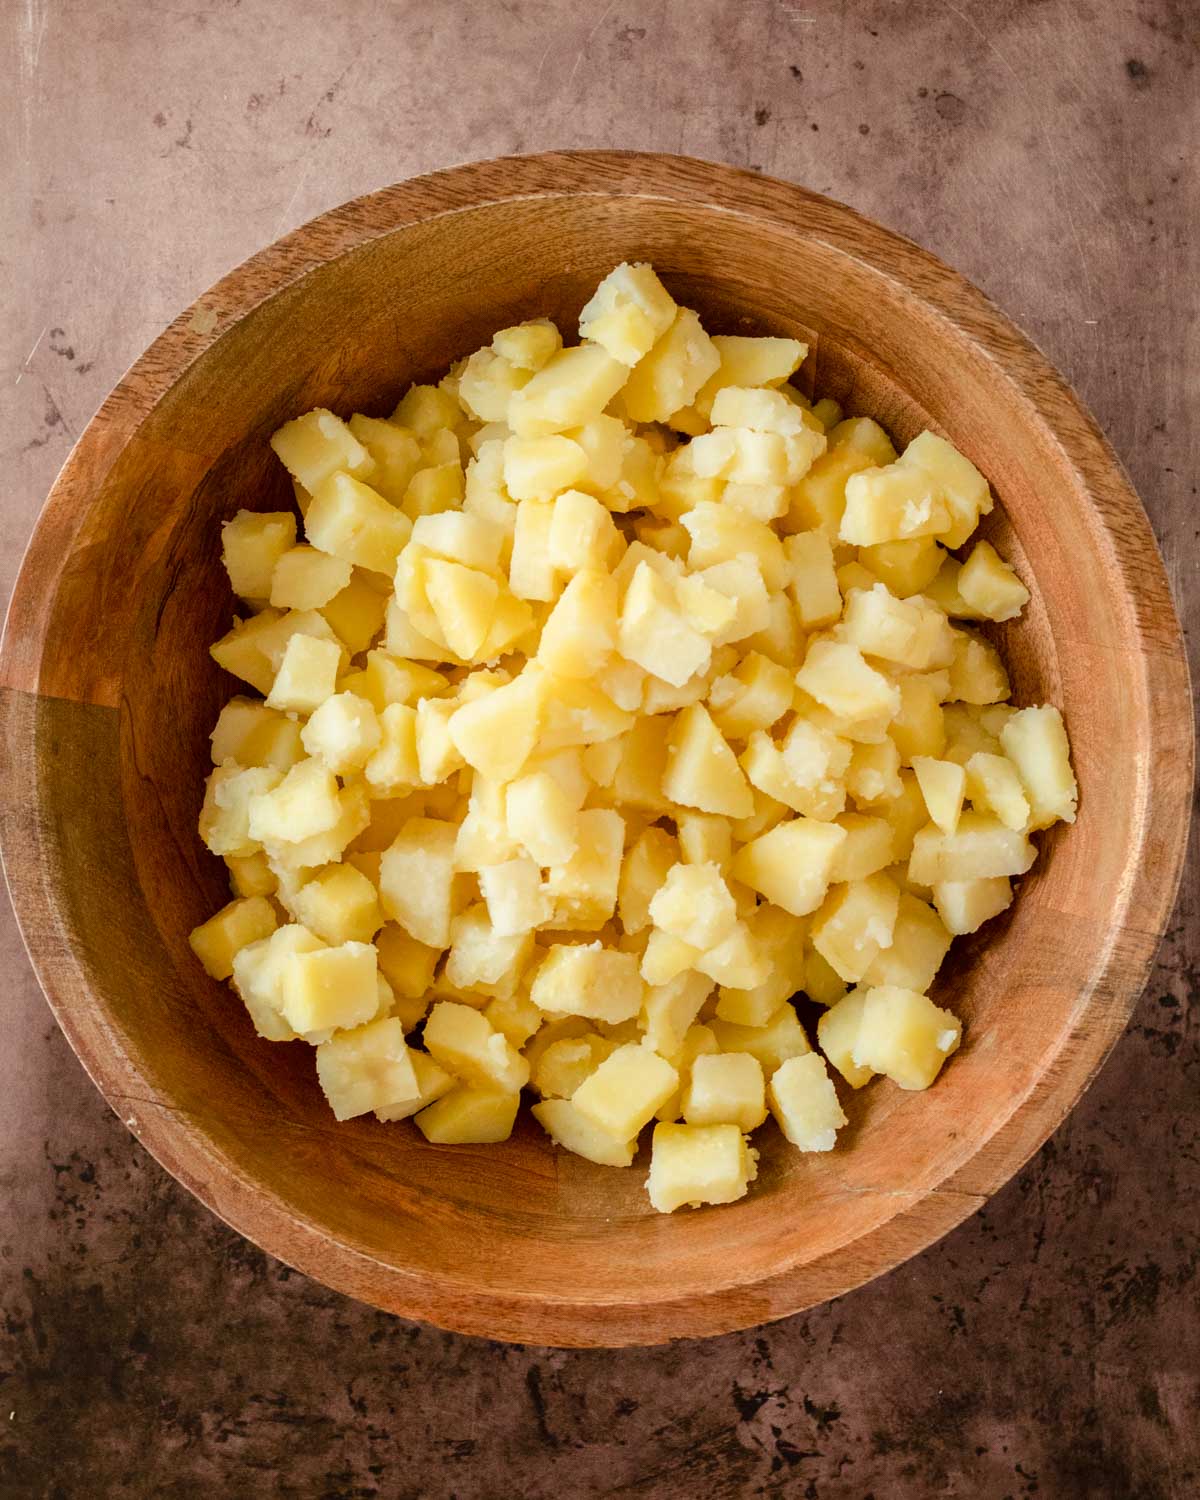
[{"x": 521, "y": 1220}]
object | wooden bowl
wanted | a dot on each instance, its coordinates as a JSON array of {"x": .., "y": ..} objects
[{"x": 109, "y": 695}]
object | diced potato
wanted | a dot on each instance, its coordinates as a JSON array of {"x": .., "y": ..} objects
[
  {"x": 488, "y": 384},
  {"x": 343, "y": 733},
  {"x": 736, "y": 961},
  {"x": 258, "y": 978},
  {"x": 720, "y": 534},
  {"x": 993, "y": 785},
  {"x": 482, "y": 958},
  {"x": 956, "y": 481},
  {"x": 367, "y": 1068},
  {"x": 307, "y": 674},
  {"x": 818, "y": 500},
  {"x": 868, "y": 846},
  {"x": 628, "y": 312},
  {"x": 704, "y": 838},
  {"x": 538, "y": 468},
  {"x": 350, "y": 520},
  {"x": 469, "y": 1115},
  {"x": 317, "y": 445},
  {"x": 965, "y": 905},
  {"x": 835, "y": 674},
  {"x": 240, "y": 650},
  {"x": 496, "y": 734},
  {"x": 465, "y": 1044},
  {"x": 749, "y": 362},
  {"x": 837, "y": 1033},
  {"x": 252, "y": 544},
  {"x": 905, "y": 1036},
  {"x": 516, "y": 900},
  {"x": 669, "y": 1011},
  {"x": 1036, "y": 742},
  {"x": 980, "y": 848},
  {"x": 407, "y": 965},
  {"x": 943, "y": 785},
  {"x": 655, "y": 633},
  {"x": 989, "y": 586},
  {"x": 250, "y": 874},
  {"x": 907, "y": 567},
  {"x": 695, "y": 1164},
  {"x": 821, "y": 982},
  {"x": 584, "y": 889},
  {"x": 568, "y": 1128},
  {"x": 856, "y": 922},
  {"x": 416, "y": 878},
  {"x": 762, "y": 410},
  {"x": 394, "y": 766},
  {"x": 726, "y": 1089},
  {"x": 694, "y": 905},
  {"x": 672, "y": 372},
  {"x": 340, "y": 905},
  {"x": 352, "y": 814},
  {"x": 438, "y": 754},
  {"x": 643, "y": 871},
  {"x": 565, "y": 1063},
  {"x": 626, "y": 1089},
  {"x": 790, "y": 865},
  {"x": 433, "y": 1082},
  {"x": 782, "y": 1037},
  {"x": 599, "y": 983},
  {"x": 977, "y": 674},
  {"x": 701, "y": 769},
  {"x": 893, "y": 504},
  {"x": 571, "y": 388},
  {"x": 329, "y": 988},
  {"x": 580, "y": 632},
  {"x": 529, "y": 345},
  {"x": 217, "y": 942},
  {"x": 395, "y": 451},
  {"x": 919, "y": 728},
  {"x": 804, "y": 1101},
  {"x": 813, "y": 584},
  {"x": 920, "y": 941},
  {"x": 304, "y": 578},
  {"x": 229, "y": 798}
]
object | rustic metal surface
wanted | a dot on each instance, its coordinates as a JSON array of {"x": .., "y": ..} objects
[{"x": 1050, "y": 1346}]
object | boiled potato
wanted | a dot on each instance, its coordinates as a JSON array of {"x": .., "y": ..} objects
[{"x": 610, "y": 696}]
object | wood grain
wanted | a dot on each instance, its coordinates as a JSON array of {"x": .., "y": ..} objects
[{"x": 108, "y": 696}]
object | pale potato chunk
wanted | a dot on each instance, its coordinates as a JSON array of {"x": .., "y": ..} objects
[
  {"x": 749, "y": 362},
  {"x": 943, "y": 784},
  {"x": 701, "y": 769},
  {"x": 837, "y": 1033},
  {"x": 488, "y": 384},
  {"x": 584, "y": 889},
  {"x": 920, "y": 941},
  {"x": 528, "y": 346},
  {"x": 538, "y": 468},
  {"x": 643, "y": 871},
  {"x": 307, "y": 674},
  {"x": 317, "y": 445},
  {"x": 516, "y": 900},
  {"x": 250, "y": 874},
  {"x": 568, "y": 1128},
  {"x": 329, "y": 988},
  {"x": 955, "y": 480},
  {"x": 482, "y": 958},
  {"x": 726, "y": 1089},
  {"x": 253, "y": 735},
  {"x": 343, "y": 733},
  {"x": 672, "y": 372},
  {"x": 693, "y": 904},
  {"x": 965, "y": 905},
  {"x": 989, "y": 586},
  {"x": 304, "y": 578},
  {"x": 599, "y": 983},
  {"x": 694, "y": 1164},
  {"x": 217, "y": 942},
  {"x": 626, "y": 1089},
  {"x": 581, "y": 630},
  {"x": 980, "y": 848},
  {"x": 655, "y": 633},
  {"x": 368, "y": 1068},
  {"x": 628, "y": 312},
  {"x": 416, "y": 878},
  {"x": 669, "y": 1011},
  {"x": 1035, "y": 740},
  {"x": 497, "y": 734},
  {"x": 804, "y": 1101},
  {"x": 855, "y": 923},
  {"x": 791, "y": 864},
  {"x": 571, "y": 388},
  {"x": 252, "y": 544},
  {"x": 835, "y": 674},
  {"x": 905, "y": 1036},
  {"x": 464, "y": 1042},
  {"x": 469, "y": 1115},
  {"x": 433, "y": 1082},
  {"x": 230, "y": 796},
  {"x": 772, "y": 1044},
  {"x": 340, "y": 905},
  {"x": 258, "y": 972},
  {"x": 350, "y": 520},
  {"x": 813, "y": 584},
  {"x": 993, "y": 785},
  {"x": 722, "y": 534}
]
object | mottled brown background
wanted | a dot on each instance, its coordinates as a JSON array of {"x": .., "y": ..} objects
[{"x": 1048, "y": 1347}]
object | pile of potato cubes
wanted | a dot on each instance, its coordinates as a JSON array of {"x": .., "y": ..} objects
[{"x": 616, "y": 696}]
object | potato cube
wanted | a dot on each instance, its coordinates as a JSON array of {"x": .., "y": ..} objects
[
  {"x": 805, "y": 1103},
  {"x": 571, "y": 388},
  {"x": 790, "y": 865},
  {"x": 669, "y": 1011},
  {"x": 965, "y": 905},
  {"x": 959, "y": 485},
  {"x": 343, "y": 733},
  {"x": 240, "y": 650},
  {"x": 436, "y": 488},
  {"x": 665, "y": 957},
  {"x": 285, "y": 850},
  {"x": 856, "y": 922},
  {"x": 304, "y": 578},
  {"x": 672, "y": 372},
  {"x": 488, "y": 383},
  {"x": 516, "y": 901},
  {"x": 406, "y": 964},
  {"x": 229, "y": 797},
  {"x": 250, "y": 874},
  {"x": 835, "y": 674},
  {"x": 695, "y": 1164},
  {"x": 980, "y": 848},
  {"x": 469, "y": 1115},
  {"x": 258, "y": 978},
  {"x": 532, "y": 572},
  {"x": 727, "y": 1089},
  {"x": 416, "y": 878},
  {"x": 433, "y": 1082},
  {"x": 905, "y": 567},
  {"x": 905, "y": 1036},
  {"x": 943, "y": 784},
  {"x": 755, "y": 408},
  {"x": 868, "y": 847},
  {"x": 217, "y": 942},
  {"x": 252, "y": 544},
  {"x": 993, "y": 785},
  {"x": 813, "y": 583},
  {"x": 350, "y": 520},
  {"x": 565, "y": 1063},
  {"x": 720, "y": 534},
  {"x": 395, "y": 451},
  {"x": 626, "y": 1089},
  {"x": 1035, "y": 740},
  {"x": 538, "y": 468},
  {"x": 580, "y": 632},
  {"x": 367, "y": 1068},
  {"x": 628, "y": 312},
  {"x": 643, "y": 871},
  {"x": 307, "y": 674},
  {"x": 818, "y": 500},
  {"x": 782, "y": 1037},
  {"x": 496, "y": 734},
  {"x": 340, "y": 905},
  {"x": 393, "y": 766},
  {"x": 584, "y": 889},
  {"x": 736, "y": 961},
  {"x": 821, "y": 983},
  {"x": 893, "y": 504},
  {"x": 566, "y": 1127},
  {"x": 655, "y": 633},
  {"x": 543, "y": 819},
  {"x": 599, "y": 983},
  {"x": 329, "y": 988},
  {"x": 528, "y": 346},
  {"x": 920, "y": 942},
  {"x": 482, "y": 958},
  {"x": 318, "y": 444},
  {"x": 702, "y": 770},
  {"x": 253, "y": 735},
  {"x": 693, "y": 904},
  {"x": 463, "y": 1041},
  {"x": 977, "y": 674},
  {"x": 749, "y": 362},
  {"x": 837, "y": 1033},
  {"x": 988, "y": 585},
  {"x": 919, "y": 729},
  {"x": 704, "y": 838}
]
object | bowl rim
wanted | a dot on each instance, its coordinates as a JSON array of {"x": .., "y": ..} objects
[{"x": 181, "y": 1148}]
